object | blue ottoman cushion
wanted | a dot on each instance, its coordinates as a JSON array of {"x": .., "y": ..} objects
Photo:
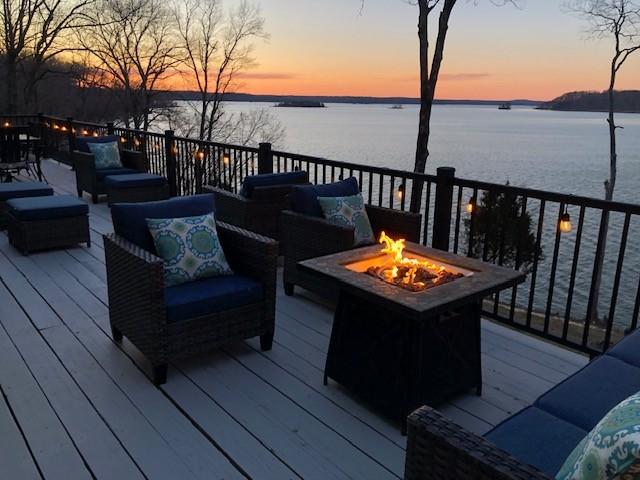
[
  {"x": 130, "y": 219},
  {"x": 46, "y": 208},
  {"x": 270, "y": 180},
  {"x": 304, "y": 198},
  {"x": 584, "y": 398},
  {"x": 210, "y": 295},
  {"x": 24, "y": 189},
  {"x": 82, "y": 142},
  {"x": 134, "y": 180},
  {"x": 537, "y": 438},
  {"x": 628, "y": 349},
  {"x": 103, "y": 173}
]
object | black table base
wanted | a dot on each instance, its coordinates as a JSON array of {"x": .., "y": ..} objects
[{"x": 397, "y": 364}]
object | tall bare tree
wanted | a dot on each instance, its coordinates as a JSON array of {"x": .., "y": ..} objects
[
  {"x": 429, "y": 75},
  {"x": 619, "y": 22},
  {"x": 216, "y": 48},
  {"x": 133, "y": 43},
  {"x": 33, "y": 32}
]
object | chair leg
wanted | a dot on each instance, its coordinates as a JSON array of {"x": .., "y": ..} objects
[
  {"x": 288, "y": 289},
  {"x": 160, "y": 374},
  {"x": 79, "y": 193},
  {"x": 266, "y": 341},
  {"x": 94, "y": 197},
  {"x": 116, "y": 334}
]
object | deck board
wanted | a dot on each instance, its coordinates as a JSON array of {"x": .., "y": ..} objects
[{"x": 71, "y": 394}]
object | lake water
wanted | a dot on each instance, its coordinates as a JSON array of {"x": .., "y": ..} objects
[{"x": 558, "y": 151}]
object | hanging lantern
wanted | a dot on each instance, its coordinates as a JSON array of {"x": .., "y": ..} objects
[
  {"x": 400, "y": 192},
  {"x": 565, "y": 222},
  {"x": 226, "y": 158},
  {"x": 471, "y": 206}
]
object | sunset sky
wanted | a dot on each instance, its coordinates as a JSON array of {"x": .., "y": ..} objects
[{"x": 330, "y": 47}]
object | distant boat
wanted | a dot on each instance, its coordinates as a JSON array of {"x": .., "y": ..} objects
[
  {"x": 396, "y": 107},
  {"x": 300, "y": 104},
  {"x": 505, "y": 106}
]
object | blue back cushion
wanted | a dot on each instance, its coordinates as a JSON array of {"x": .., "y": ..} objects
[
  {"x": 270, "y": 180},
  {"x": 129, "y": 219},
  {"x": 304, "y": 198},
  {"x": 82, "y": 142}
]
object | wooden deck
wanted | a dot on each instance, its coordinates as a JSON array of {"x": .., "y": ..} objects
[{"x": 76, "y": 405}]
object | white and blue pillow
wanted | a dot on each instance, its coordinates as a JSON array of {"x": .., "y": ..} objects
[
  {"x": 106, "y": 155},
  {"x": 350, "y": 212},
  {"x": 190, "y": 248},
  {"x": 611, "y": 451}
]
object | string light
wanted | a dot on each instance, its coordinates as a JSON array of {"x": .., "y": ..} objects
[
  {"x": 6, "y": 124},
  {"x": 226, "y": 158},
  {"x": 401, "y": 192},
  {"x": 565, "y": 222},
  {"x": 471, "y": 206}
]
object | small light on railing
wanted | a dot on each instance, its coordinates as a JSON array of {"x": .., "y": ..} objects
[
  {"x": 6, "y": 124},
  {"x": 73, "y": 130},
  {"x": 64, "y": 129},
  {"x": 136, "y": 141},
  {"x": 201, "y": 155},
  {"x": 400, "y": 192},
  {"x": 565, "y": 222},
  {"x": 471, "y": 206},
  {"x": 95, "y": 134},
  {"x": 226, "y": 158},
  {"x": 85, "y": 132},
  {"x": 55, "y": 127},
  {"x": 123, "y": 140}
]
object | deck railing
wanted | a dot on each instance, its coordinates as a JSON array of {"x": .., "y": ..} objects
[{"x": 569, "y": 297}]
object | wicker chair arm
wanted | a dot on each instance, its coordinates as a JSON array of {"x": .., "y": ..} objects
[
  {"x": 307, "y": 237},
  {"x": 230, "y": 207},
  {"x": 134, "y": 160},
  {"x": 249, "y": 253},
  {"x": 395, "y": 223},
  {"x": 83, "y": 162},
  {"x": 438, "y": 449}
]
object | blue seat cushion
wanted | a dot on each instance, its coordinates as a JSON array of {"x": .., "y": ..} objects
[
  {"x": 46, "y": 208},
  {"x": 103, "y": 173},
  {"x": 24, "y": 189},
  {"x": 130, "y": 219},
  {"x": 537, "y": 438},
  {"x": 134, "y": 180},
  {"x": 304, "y": 198},
  {"x": 628, "y": 349},
  {"x": 270, "y": 180},
  {"x": 210, "y": 295},
  {"x": 587, "y": 396},
  {"x": 82, "y": 142}
]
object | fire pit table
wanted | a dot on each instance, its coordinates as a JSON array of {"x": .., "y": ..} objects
[{"x": 403, "y": 341}]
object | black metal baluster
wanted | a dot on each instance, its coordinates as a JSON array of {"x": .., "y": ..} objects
[
  {"x": 392, "y": 190},
  {"x": 456, "y": 234},
  {"x": 536, "y": 259},
  {"x": 572, "y": 277},
  {"x": 594, "y": 277},
  {"x": 554, "y": 267},
  {"x": 472, "y": 218},
  {"x": 518, "y": 260},
  {"x": 427, "y": 206}
]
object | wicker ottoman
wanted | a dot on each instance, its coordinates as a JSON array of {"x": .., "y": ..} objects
[
  {"x": 136, "y": 187},
  {"x": 11, "y": 190},
  {"x": 42, "y": 223}
]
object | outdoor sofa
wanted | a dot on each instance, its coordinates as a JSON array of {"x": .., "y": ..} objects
[
  {"x": 194, "y": 317},
  {"x": 535, "y": 442},
  {"x": 259, "y": 205},
  {"x": 307, "y": 234},
  {"x": 91, "y": 179}
]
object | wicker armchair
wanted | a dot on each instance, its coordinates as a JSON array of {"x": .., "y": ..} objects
[
  {"x": 438, "y": 449},
  {"x": 305, "y": 237},
  {"x": 89, "y": 180},
  {"x": 137, "y": 300},
  {"x": 261, "y": 213}
]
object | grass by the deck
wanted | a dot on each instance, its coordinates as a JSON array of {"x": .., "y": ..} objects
[{"x": 76, "y": 405}]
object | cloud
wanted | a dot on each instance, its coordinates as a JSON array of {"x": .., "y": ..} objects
[
  {"x": 266, "y": 76},
  {"x": 447, "y": 77}
]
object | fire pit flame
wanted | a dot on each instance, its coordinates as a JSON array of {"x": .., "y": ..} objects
[{"x": 412, "y": 274}]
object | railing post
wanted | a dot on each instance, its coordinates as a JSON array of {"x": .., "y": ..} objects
[
  {"x": 265, "y": 158},
  {"x": 170, "y": 159},
  {"x": 110, "y": 129},
  {"x": 442, "y": 208},
  {"x": 71, "y": 136}
]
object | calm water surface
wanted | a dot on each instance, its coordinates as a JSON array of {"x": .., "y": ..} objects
[{"x": 558, "y": 151}]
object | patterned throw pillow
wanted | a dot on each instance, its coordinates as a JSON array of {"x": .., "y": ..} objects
[
  {"x": 349, "y": 211},
  {"x": 106, "y": 155},
  {"x": 611, "y": 451},
  {"x": 189, "y": 247}
]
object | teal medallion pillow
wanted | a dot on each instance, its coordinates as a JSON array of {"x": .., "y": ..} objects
[
  {"x": 611, "y": 451},
  {"x": 106, "y": 155},
  {"x": 350, "y": 212},
  {"x": 190, "y": 248}
]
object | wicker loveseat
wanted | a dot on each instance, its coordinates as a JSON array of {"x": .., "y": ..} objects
[
  {"x": 306, "y": 234},
  {"x": 535, "y": 442},
  {"x": 90, "y": 179},
  {"x": 194, "y": 317},
  {"x": 259, "y": 205}
]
